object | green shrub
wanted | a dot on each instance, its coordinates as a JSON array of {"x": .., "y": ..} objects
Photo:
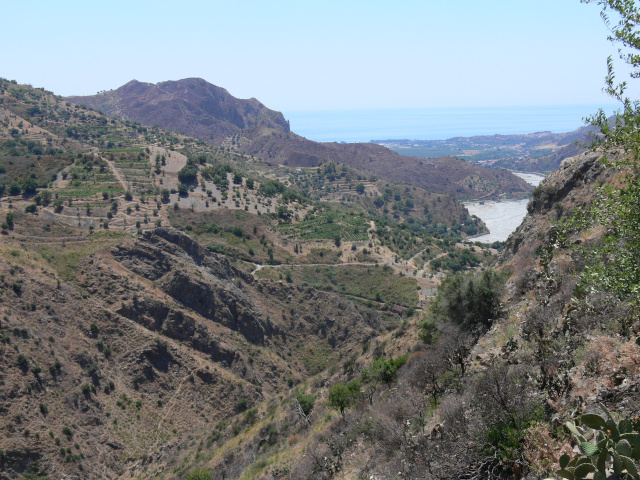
[
  {"x": 343, "y": 396},
  {"x": 469, "y": 300},
  {"x": 306, "y": 402},
  {"x": 242, "y": 404},
  {"x": 93, "y": 328},
  {"x": 188, "y": 174},
  {"x": 199, "y": 474},
  {"x": 383, "y": 369},
  {"x": 22, "y": 361}
]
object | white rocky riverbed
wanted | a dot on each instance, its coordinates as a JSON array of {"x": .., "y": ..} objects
[{"x": 502, "y": 217}]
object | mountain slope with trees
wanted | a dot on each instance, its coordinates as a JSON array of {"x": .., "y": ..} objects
[
  {"x": 200, "y": 109},
  {"x": 135, "y": 317},
  {"x": 154, "y": 353}
]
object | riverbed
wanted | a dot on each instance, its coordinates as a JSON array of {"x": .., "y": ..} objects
[{"x": 502, "y": 217}]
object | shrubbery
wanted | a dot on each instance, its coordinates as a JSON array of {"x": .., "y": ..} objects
[
  {"x": 188, "y": 174},
  {"x": 469, "y": 300}
]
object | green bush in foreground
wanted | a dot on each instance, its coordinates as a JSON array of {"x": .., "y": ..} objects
[{"x": 615, "y": 448}]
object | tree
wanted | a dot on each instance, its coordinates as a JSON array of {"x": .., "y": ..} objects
[
  {"x": 283, "y": 212},
  {"x": 29, "y": 186},
  {"x": 188, "y": 174},
  {"x": 303, "y": 406},
  {"x": 382, "y": 370},
  {"x": 342, "y": 396},
  {"x": 306, "y": 402},
  {"x": 360, "y": 188},
  {"x": 45, "y": 197},
  {"x": 468, "y": 300},
  {"x": 58, "y": 204}
]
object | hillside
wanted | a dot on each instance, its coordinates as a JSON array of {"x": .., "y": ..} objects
[
  {"x": 450, "y": 175},
  {"x": 191, "y": 106},
  {"x": 158, "y": 291},
  {"x": 258, "y": 308},
  {"x": 148, "y": 341},
  {"x": 202, "y": 110},
  {"x": 172, "y": 307},
  {"x": 477, "y": 389},
  {"x": 540, "y": 152}
]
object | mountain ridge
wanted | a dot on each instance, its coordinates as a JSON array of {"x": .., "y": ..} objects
[
  {"x": 218, "y": 112},
  {"x": 248, "y": 127}
]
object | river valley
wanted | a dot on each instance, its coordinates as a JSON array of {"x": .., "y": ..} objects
[{"x": 502, "y": 217}]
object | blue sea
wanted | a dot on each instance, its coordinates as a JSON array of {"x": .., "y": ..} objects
[{"x": 437, "y": 123}]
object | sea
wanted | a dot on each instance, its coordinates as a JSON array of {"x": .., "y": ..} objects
[{"x": 436, "y": 123}]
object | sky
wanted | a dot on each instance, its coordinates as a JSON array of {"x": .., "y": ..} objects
[{"x": 318, "y": 55}]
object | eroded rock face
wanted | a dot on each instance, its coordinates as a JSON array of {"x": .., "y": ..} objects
[
  {"x": 573, "y": 185},
  {"x": 217, "y": 304},
  {"x": 154, "y": 340},
  {"x": 175, "y": 324},
  {"x": 574, "y": 172},
  {"x": 158, "y": 251},
  {"x": 199, "y": 280}
]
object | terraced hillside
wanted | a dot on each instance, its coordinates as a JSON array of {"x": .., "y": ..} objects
[{"x": 207, "y": 112}]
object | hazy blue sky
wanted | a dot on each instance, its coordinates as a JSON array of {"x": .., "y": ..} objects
[{"x": 309, "y": 55}]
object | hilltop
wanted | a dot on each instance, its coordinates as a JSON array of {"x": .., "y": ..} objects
[
  {"x": 202, "y": 110},
  {"x": 191, "y": 106}
]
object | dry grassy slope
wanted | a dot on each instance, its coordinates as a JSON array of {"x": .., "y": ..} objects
[
  {"x": 157, "y": 342},
  {"x": 567, "y": 189},
  {"x": 569, "y": 353},
  {"x": 576, "y": 351}
]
